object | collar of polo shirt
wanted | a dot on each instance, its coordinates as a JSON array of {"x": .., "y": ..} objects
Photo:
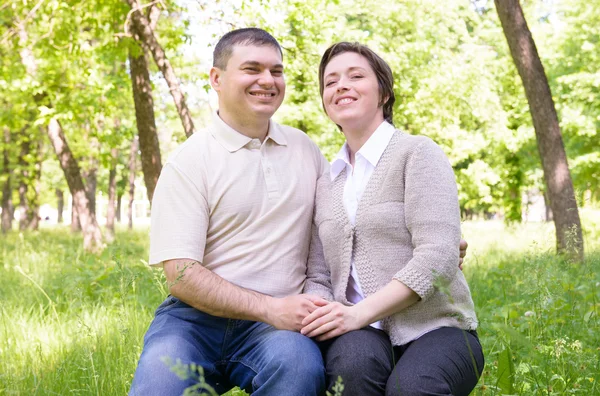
[{"x": 233, "y": 140}]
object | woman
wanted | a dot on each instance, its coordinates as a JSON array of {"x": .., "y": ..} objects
[{"x": 387, "y": 228}]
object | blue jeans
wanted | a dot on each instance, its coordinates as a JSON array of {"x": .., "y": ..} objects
[{"x": 252, "y": 355}]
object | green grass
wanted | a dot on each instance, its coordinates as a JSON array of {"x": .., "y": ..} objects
[
  {"x": 72, "y": 323},
  {"x": 539, "y": 309}
]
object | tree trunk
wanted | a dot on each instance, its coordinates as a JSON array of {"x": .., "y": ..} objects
[
  {"x": 7, "y": 213},
  {"x": 142, "y": 29},
  {"x": 90, "y": 175},
  {"x": 545, "y": 122},
  {"x": 547, "y": 206},
  {"x": 75, "y": 224},
  {"x": 132, "y": 158},
  {"x": 33, "y": 195},
  {"x": 23, "y": 179},
  {"x": 146, "y": 124},
  {"x": 112, "y": 188},
  {"x": 92, "y": 236},
  {"x": 119, "y": 200},
  {"x": 60, "y": 203}
]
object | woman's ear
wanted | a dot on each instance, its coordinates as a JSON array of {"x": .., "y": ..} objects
[{"x": 384, "y": 100}]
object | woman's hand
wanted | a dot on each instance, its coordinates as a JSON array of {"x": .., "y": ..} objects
[{"x": 331, "y": 320}]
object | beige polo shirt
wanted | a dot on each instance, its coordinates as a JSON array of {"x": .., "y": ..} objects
[{"x": 241, "y": 208}]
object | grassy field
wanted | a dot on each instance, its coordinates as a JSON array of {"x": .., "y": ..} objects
[{"x": 73, "y": 323}]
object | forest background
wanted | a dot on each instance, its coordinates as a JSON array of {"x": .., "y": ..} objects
[{"x": 94, "y": 96}]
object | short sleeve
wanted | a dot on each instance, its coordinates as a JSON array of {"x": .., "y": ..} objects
[{"x": 179, "y": 217}]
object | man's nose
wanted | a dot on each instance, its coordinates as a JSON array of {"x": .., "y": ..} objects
[{"x": 266, "y": 79}]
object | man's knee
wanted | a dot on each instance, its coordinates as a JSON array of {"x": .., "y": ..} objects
[
  {"x": 297, "y": 353},
  {"x": 168, "y": 366}
]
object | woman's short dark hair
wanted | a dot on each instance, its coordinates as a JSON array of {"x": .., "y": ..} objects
[
  {"x": 245, "y": 36},
  {"x": 385, "y": 78}
]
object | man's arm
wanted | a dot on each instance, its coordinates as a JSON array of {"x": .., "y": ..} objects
[
  {"x": 206, "y": 291},
  {"x": 462, "y": 246}
]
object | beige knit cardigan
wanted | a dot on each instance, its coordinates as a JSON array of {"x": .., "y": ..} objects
[{"x": 407, "y": 228}]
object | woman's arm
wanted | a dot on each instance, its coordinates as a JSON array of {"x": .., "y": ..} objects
[{"x": 335, "y": 319}]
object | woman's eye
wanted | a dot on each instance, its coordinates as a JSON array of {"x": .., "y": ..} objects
[
  {"x": 329, "y": 83},
  {"x": 357, "y": 76}
]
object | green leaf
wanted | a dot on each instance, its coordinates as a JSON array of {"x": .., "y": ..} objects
[{"x": 506, "y": 372}]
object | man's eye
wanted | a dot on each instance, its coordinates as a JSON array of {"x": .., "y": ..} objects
[
  {"x": 277, "y": 72},
  {"x": 251, "y": 69}
]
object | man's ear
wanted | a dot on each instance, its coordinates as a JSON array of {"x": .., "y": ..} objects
[{"x": 215, "y": 76}]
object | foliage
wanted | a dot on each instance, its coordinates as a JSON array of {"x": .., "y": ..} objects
[{"x": 455, "y": 81}]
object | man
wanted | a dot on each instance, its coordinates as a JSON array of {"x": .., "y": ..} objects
[
  {"x": 231, "y": 223},
  {"x": 231, "y": 218}
]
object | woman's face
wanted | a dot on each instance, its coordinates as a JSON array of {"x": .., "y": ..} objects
[{"x": 351, "y": 93}]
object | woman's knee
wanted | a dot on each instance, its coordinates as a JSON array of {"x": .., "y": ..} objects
[{"x": 363, "y": 359}]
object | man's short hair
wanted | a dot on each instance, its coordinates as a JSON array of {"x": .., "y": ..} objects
[
  {"x": 385, "y": 78},
  {"x": 245, "y": 36}
]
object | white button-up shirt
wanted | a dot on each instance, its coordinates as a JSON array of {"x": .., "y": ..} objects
[{"x": 357, "y": 177}]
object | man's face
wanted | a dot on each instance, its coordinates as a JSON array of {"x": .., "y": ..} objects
[{"x": 252, "y": 85}]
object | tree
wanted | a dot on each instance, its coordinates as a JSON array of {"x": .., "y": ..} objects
[
  {"x": 112, "y": 190},
  {"x": 92, "y": 237},
  {"x": 143, "y": 29},
  {"x": 144, "y": 107},
  {"x": 132, "y": 160},
  {"x": 545, "y": 120},
  {"x": 7, "y": 211}
]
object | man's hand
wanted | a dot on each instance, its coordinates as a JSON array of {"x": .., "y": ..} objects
[
  {"x": 287, "y": 313},
  {"x": 331, "y": 320},
  {"x": 462, "y": 246},
  {"x": 208, "y": 292}
]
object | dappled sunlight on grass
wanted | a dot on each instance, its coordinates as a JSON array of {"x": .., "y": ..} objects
[{"x": 73, "y": 323}]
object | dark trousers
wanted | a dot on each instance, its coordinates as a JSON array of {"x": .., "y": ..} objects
[{"x": 445, "y": 361}]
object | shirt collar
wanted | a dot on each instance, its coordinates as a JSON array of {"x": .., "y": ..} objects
[
  {"x": 276, "y": 134},
  {"x": 339, "y": 162},
  {"x": 372, "y": 150},
  {"x": 233, "y": 140}
]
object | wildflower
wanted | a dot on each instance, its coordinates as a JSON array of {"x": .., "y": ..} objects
[
  {"x": 529, "y": 313},
  {"x": 559, "y": 347}
]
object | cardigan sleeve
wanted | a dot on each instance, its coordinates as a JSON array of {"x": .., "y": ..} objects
[
  {"x": 318, "y": 277},
  {"x": 432, "y": 216}
]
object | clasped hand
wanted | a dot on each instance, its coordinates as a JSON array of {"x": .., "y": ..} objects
[
  {"x": 331, "y": 320},
  {"x": 313, "y": 316}
]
